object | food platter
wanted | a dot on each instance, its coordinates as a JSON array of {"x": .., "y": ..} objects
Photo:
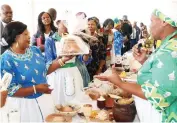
[
  {"x": 99, "y": 116},
  {"x": 72, "y": 45},
  {"x": 67, "y": 110},
  {"x": 57, "y": 118}
]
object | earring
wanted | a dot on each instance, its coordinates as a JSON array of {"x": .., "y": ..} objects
[{"x": 17, "y": 45}]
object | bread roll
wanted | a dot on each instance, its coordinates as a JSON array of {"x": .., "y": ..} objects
[
  {"x": 93, "y": 94},
  {"x": 67, "y": 109},
  {"x": 58, "y": 107},
  {"x": 59, "y": 119}
]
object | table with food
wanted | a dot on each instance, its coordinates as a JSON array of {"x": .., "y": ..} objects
[{"x": 100, "y": 102}]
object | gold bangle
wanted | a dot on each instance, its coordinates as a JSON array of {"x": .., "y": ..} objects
[
  {"x": 60, "y": 63},
  {"x": 34, "y": 88}
]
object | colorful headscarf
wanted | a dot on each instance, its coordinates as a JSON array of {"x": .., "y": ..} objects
[
  {"x": 116, "y": 22},
  {"x": 165, "y": 18},
  {"x": 167, "y": 11}
]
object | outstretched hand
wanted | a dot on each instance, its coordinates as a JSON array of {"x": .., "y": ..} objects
[{"x": 113, "y": 78}]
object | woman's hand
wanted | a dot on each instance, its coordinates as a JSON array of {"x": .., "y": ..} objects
[
  {"x": 66, "y": 58},
  {"x": 43, "y": 88},
  {"x": 90, "y": 53},
  {"x": 87, "y": 56},
  {"x": 57, "y": 63},
  {"x": 113, "y": 78},
  {"x": 140, "y": 56},
  {"x": 42, "y": 47}
]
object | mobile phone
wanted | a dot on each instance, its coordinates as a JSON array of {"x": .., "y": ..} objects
[{"x": 139, "y": 47}]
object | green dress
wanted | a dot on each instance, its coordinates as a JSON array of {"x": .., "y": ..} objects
[{"x": 158, "y": 79}]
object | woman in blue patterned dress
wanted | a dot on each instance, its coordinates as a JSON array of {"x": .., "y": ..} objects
[
  {"x": 29, "y": 70},
  {"x": 118, "y": 41}
]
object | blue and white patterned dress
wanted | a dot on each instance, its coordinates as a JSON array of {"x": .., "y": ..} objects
[
  {"x": 117, "y": 45},
  {"x": 27, "y": 69}
]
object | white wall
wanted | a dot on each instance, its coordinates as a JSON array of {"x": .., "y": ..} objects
[{"x": 28, "y": 10}]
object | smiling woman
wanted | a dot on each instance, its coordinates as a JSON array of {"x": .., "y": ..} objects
[
  {"x": 27, "y": 65},
  {"x": 45, "y": 29},
  {"x": 16, "y": 61}
]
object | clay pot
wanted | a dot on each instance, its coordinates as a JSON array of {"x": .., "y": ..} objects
[
  {"x": 101, "y": 103},
  {"x": 124, "y": 113},
  {"x": 109, "y": 102}
]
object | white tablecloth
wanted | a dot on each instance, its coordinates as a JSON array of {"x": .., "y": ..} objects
[
  {"x": 86, "y": 100},
  {"x": 47, "y": 102}
]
